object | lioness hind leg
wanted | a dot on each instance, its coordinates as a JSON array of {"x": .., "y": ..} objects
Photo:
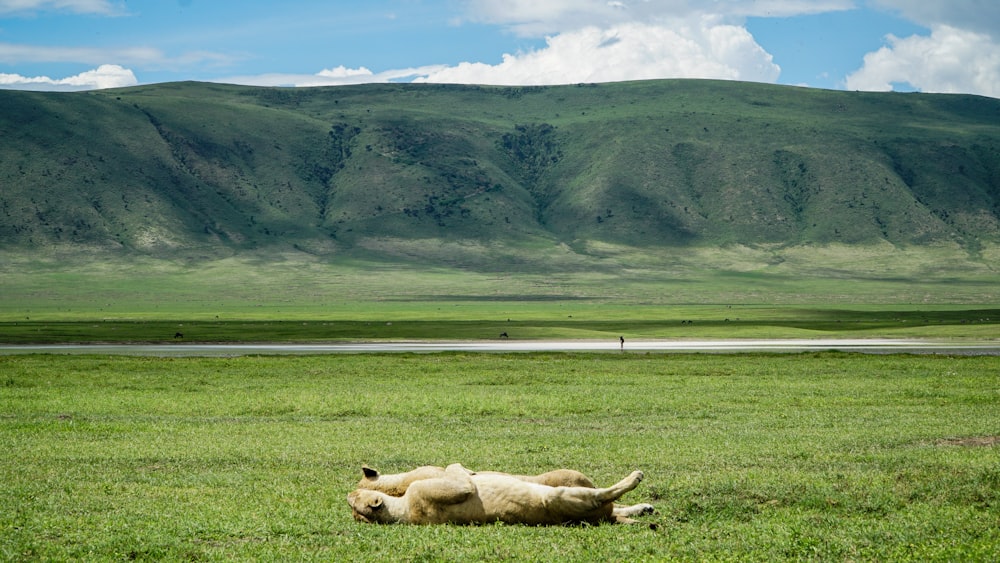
[
  {"x": 614, "y": 492},
  {"x": 580, "y": 502}
]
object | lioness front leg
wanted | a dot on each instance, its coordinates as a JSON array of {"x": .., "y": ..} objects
[
  {"x": 634, "y": 510},
  {"x": 454, "y": 487}
]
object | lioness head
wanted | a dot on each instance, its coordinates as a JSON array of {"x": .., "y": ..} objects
[{"x": 367, "y": 506}]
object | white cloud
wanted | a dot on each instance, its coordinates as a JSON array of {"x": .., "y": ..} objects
[
  {"x": 341, "y": 72},
  {"x": 145, "y": 57},
  {"x": 974, "y": 15},
  {"x": 339, "y": 76},
  {"x": 539, "y": 18},
  {"x": 702, "y": 48},
  {"x": 613, "y": 40},
  {"x": 961, "y": 54},
  {"x": 14, "y": 53},
  {"x": 950, "y": 60},
  {"x": 104, "y": 76},
  {"x": 101, "y": 7}
]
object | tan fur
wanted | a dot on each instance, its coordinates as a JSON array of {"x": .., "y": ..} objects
[
  {"x": 396, "y": 484},
  {"x": 461, "y": 496}
]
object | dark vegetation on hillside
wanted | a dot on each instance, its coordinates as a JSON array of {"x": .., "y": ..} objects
[{"x": 212, "y": 168}]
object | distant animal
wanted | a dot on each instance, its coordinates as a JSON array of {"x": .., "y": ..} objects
[
  {"x": 460, "y": 496},
  {"x": 503, "y": 335},
  {"x": 178, "y": 335},
  {"x": 396, "y": 484}
]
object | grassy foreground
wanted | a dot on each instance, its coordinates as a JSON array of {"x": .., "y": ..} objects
[{"x": 750, "y": 457}]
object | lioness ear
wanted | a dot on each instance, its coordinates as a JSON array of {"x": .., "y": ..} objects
[
  {"x": 369, "y": 472},
  {"x": 376, "y": 504}
]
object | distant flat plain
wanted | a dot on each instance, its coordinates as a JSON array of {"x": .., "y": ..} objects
[{"x": 873, "y": 346}]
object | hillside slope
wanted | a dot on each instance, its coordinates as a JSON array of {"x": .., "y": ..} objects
[{"x": 376, "y": 169}]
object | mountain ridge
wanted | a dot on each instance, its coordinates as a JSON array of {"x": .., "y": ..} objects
[{"x": 207, "y": 169}]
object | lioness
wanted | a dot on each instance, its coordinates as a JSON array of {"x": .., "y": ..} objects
[
  {"x": 461, "y": 496},
  {"x": 396, "y": 484}
]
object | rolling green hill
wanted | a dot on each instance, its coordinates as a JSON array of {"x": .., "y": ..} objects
[{"x": 486, "y": 178}]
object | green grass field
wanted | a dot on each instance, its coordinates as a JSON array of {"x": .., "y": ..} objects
[
  {"x": 672, "y": 323},
  {"x": 748, "y": 457},
  {"x": 291, "y": 298}
]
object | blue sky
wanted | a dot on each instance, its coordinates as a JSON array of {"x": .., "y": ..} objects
[{"x": 926, "y": 45}]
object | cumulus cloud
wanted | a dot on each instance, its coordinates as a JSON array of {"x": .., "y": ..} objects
[
  {"x": 104, "y": 76},
  {"x": 702, "y": 48},
  {"x": 600, "y": 41},
  {"x": 961, "y": 54},
  {"x": 950, "y": 60},
  {"x": 614, "y": 40},
  {"x": 592, "y": 41}
]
